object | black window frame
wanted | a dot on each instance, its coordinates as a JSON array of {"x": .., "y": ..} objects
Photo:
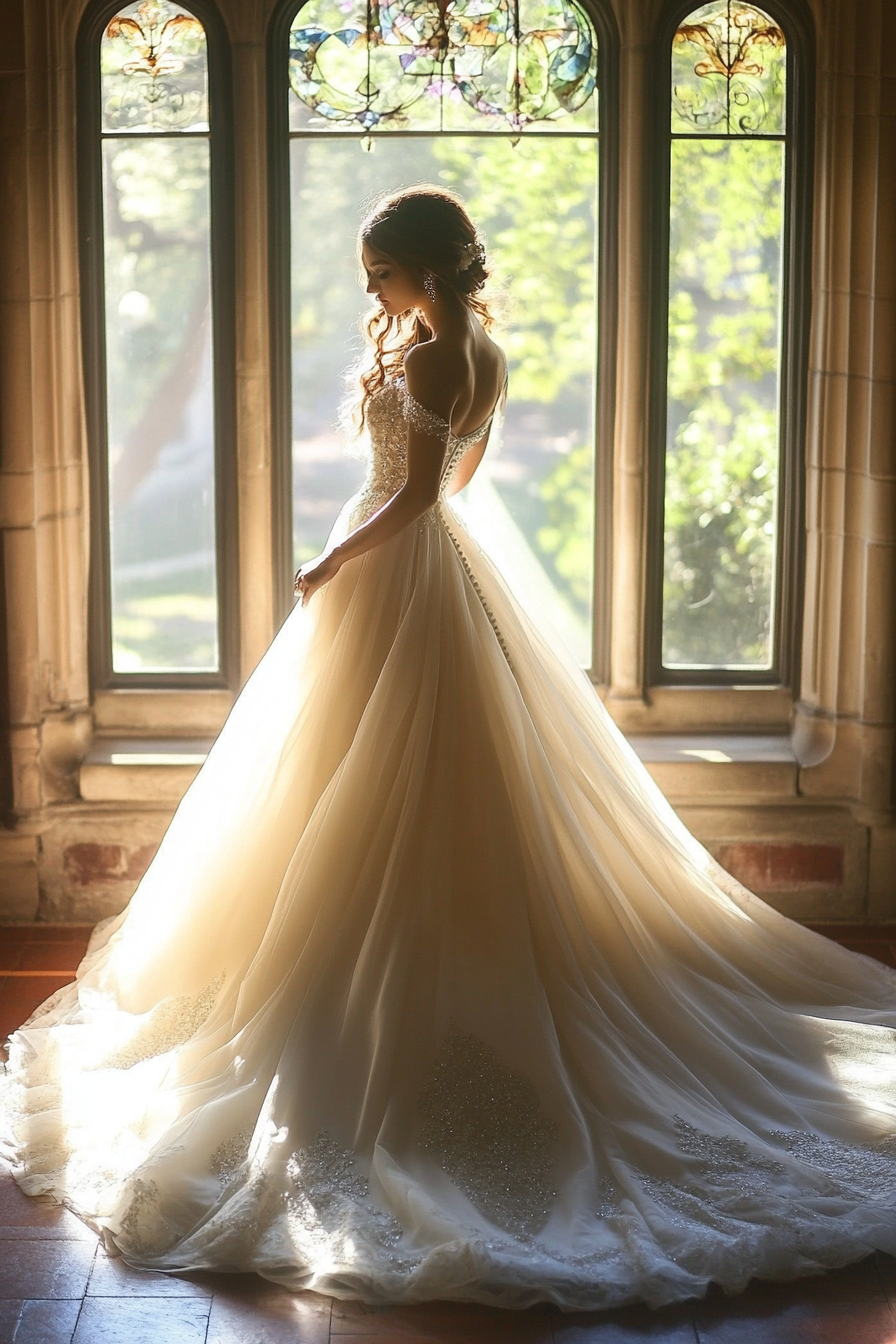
[
  {"x": 795, "y": 21},
  {"x": 602, "y": 17},
  {"x": 91, "y": 256}
]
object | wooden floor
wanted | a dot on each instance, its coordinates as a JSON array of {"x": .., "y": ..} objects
[{"x": 57, "y": 1286}]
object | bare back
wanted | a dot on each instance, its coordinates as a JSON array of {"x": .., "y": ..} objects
[{"x": 465, "y": 369}]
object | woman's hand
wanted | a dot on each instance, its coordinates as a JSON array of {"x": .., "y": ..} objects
[{"x": 314, "y": 574}]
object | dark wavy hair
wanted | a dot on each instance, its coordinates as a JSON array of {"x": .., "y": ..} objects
[{"x": 424, "y": 229}]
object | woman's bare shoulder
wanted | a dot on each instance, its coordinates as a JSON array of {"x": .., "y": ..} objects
[
  {"x": 435, "y": 373},
  {"x": 434, "y": 358},
  {"x": 449, "y": 363}
]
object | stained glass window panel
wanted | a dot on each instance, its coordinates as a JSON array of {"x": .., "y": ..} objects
[
  {"x": 728, "y": 72},
  {"x": 154, "y": 70},
  {"x": 426, "y": 66},
  {"x": 536, "y": 204}
]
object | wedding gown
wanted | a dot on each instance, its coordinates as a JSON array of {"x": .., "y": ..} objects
[{"x": 428, "y": 992}]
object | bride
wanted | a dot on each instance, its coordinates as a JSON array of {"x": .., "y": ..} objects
[{"x": 428, "y": 993}]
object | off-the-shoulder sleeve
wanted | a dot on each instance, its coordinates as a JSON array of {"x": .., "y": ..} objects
[{"x": 422, "y": 418}]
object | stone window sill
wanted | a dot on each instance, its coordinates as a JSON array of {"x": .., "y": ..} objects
[
  {"x": 161, "y": 714},
  {"x": 718, "y": 768},
  {"x": 141, "y": 769},
  {"x": 692, "y": 768}
]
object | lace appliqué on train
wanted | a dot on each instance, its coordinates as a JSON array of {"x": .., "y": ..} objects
[
  {"x": 484, "y": 1126},
  {"x": 169, "y": 1025},
  {"x": 329, "y": 1205},
  {"x": 230, "y": 1156},
  {"x": 729, "y": 1178},
  {"x": 726, "y": 1161},
  {"x": 729, "y": 1164},
  {"x": 143, "y": 1230},
  {"x": 866, "y": 1170}
]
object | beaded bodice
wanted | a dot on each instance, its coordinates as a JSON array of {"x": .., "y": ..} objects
[{"x": 390, "y": 413}]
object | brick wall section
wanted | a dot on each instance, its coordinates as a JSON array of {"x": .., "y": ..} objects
[
  {"x": 771, "y": 867},
  {"x": 761, "y": 867},
  {"x": 87, "y": 863}
]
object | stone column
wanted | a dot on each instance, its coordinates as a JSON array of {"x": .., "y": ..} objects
[
  {"x": 247, "y": 23},
  {"x": 42, "y": 448},
  {"x": 632, "y": 369},
  {"x": 844, "y": 722}
]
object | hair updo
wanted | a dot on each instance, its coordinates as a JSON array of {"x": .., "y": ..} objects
[
  {"x": 424, "y": 229},
  {"x": 428, "y": 229}
]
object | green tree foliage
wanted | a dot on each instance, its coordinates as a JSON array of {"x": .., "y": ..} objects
[
  {"x": 156, "y": 254},
  {"x": 156, "y": 266},
  {"x": 332, "y": 183},
  {"x": 567, "y": 538},
  {"x": 536, "y": 204},
  {"x": 722, "y": 445}
]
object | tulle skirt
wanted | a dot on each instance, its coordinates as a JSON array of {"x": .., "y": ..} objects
[{"x": 428, "y": 993}]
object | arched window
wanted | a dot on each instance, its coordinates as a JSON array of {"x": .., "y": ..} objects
[
  {"x": 499, "y": 101},
  {"x": 157, "y": 332},
  {"x": 727, "y": 485}
]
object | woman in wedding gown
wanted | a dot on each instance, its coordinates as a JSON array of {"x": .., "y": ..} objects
[{"x": 428, "y": 993}]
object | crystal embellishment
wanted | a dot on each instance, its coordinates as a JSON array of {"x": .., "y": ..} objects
[
  {"x": 230, "y": 1155},
  {"x": 724, "y": 1160},
  {"x": 867, "y": 1169},
  {"x": 329, "y": 1203},
  {"x": 392, "y": 410},
  {"x": 483, "y": 1124},
  {"x": 171, "y": 1024},
  {"x": 142, "y": 1227}
]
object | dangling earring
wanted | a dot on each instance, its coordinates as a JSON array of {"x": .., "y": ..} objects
[{"x": 429, "y": 284}]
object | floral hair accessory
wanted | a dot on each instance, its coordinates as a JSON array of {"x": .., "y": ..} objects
[{"x": 469, "y": 253}]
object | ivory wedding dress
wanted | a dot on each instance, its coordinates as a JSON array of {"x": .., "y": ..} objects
[{"x": 429, "y": 994}]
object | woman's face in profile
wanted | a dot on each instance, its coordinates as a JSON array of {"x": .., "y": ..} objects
[{"x": 393, "y": 286}]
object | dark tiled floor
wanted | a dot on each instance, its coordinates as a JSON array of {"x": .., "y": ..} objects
[
  {"x": 57, "y": 1285},
  {"x": 35, "y": 960}
]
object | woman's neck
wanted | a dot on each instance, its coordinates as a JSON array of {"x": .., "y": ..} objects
[{"x": 446, "y": 314}]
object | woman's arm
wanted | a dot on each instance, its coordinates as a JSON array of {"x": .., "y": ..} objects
[{"x": 426, "y": 455}]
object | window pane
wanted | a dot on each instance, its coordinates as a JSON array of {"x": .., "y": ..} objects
[
  {"x": 160, "y": 407},
  {"x": 722, "y": 427},
  {"x": 536, "y": 205}
]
